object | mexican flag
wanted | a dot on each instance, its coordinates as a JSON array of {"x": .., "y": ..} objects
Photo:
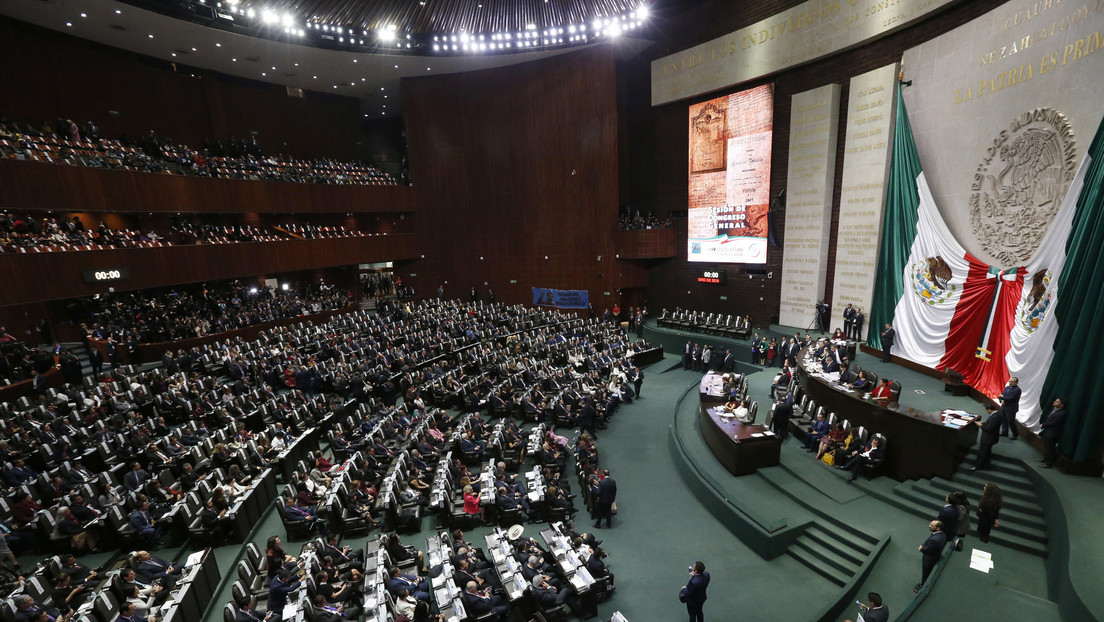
[{"x": 951, "y": 310}]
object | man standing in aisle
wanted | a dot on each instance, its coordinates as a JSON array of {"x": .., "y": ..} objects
[
  {"x": 888, "y": 335},
  {"x": 607, "y": 494},
  {"x": 932, "y": 550},
  {"x": 1052, "y": 432},
  {"x": 990, "y": 434},
  {"x": 693, "y": 593},
  {"x": 1010, "y": 405}
]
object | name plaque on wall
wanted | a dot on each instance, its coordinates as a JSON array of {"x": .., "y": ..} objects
[
  {"x": 806, "y": 32},
  {"x": 869, "y": 138},
  {"x": 814, "y": 124}
]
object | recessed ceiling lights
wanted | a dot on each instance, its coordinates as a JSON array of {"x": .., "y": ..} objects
[
  {"x": 70, "y": 24},
  {"x": 315, "y": 77},
  {"x": 84, "y": 14},
  {"x": 174, "y": 53},
  {"x": 118, "y": 12},
  {"x": 354, "y": 60},
  {"x": 264, "y": 74},
  {"x": 296, "y": 64},
  {"x": 396, "y": 66},
  {"x": 150, "y": 36},
  {"x": 234, "y": 60},
  {"x": 218, "y": 45},
  {"x": 193, "y": 49}
]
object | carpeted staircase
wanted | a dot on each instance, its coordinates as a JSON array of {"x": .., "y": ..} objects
[{"x": 1022, "y": 521}]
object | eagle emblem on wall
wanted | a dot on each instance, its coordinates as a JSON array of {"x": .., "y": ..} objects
[{"x": 931, "y": 279}]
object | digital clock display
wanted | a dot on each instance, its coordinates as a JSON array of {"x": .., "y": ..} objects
[
  {"x": 715, "y": 277},
  {"x": 104, "y": 275}
]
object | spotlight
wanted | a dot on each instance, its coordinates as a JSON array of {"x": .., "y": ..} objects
[{"x": 284, "y": 287}]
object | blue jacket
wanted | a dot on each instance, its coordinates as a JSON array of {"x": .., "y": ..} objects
[
  {"x": 278, "y": 593},
  {"x": 694, "y": 592}
]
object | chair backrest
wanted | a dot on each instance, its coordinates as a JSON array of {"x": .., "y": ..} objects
[
  {"x": 895, "y": 389},
  {"x": 229, "y": 613},
  {"x": 239, "y": 592},
  {"x": 246, "y": 572}
]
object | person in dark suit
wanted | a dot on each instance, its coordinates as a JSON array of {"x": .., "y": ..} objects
[
  {"x": 888, "y": 336},
  {"x": 247, "y": 611},
  {"x": 279, "y": 590},
  {"x": 1052, "y": 432},
  {"x": 874, "y": 452},
  {"x": 607, "y": 494},
  {"x": 693, "y": 593},
  {"x": 875, "y": 611},
  {"x": 1010, "y": 405},
  {"x": 127, "y": 614},
  {"x": 144, "y": 524},
  {"x": 857, "y": 324},
  {"x": 990, "y": 434},
  {"x": 931, "y": 549},
  {"x": 783, "y": 410},
  {"x": 819, "y": 429},
  {"x": 848, "y": 321},
  {"x": 479, "y": 603},
  {"x": 410, "y": 583}
]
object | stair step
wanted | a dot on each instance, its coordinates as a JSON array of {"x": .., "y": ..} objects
[
  {"x": 813, "y": 562},
  {"x": 1015, "y": 481},
  {"x": 831, "y": 542},
  {"x": 1025, "y": 510},
  {"x": 1027, "y": 527}
]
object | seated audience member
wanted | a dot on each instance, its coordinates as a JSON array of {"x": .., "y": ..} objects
[
  {"x": 817, "y": 431},
  {"x": 412, "y": 584},
  {"x": 480, "y": 603},
  {"x": 862, "y": 382},
  {"x": 873, "y": 453},
  {"x": 883, "y": 394},
  {"x": 834, "y": 438}
]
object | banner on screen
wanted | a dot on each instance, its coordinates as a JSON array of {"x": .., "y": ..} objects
[
  {"x": 560, "y": 298},
  {"x": 729, "y": 189}
]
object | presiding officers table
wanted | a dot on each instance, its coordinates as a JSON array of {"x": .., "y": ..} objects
[
  {"x": 740, "y": 447},
  {"x": 919, "y": 444}
]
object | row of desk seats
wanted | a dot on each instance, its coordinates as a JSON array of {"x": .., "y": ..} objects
[{"x": 708, "y": 323}]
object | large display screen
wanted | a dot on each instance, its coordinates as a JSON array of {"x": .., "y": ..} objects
[{"x": 730, "y": 163}]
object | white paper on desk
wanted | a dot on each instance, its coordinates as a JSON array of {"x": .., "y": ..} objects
[
  {"x": 957, "y": 413},
  {"x": 981, "y": 560},
  {"x": 757, "y": 434},
  {"x": 768, "y": 433}
]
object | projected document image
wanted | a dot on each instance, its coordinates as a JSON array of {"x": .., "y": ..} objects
[{"x": 729, "y": 192}]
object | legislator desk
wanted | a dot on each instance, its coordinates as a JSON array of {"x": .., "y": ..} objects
[
  {"x": 740, "y": 447},
  {"x": 918, "y": 444}
]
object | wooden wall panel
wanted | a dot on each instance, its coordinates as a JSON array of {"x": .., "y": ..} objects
[
  {"x": 73, "y": 78},
  {"x": 515, "y": 171},
  {"x": 36, "y": 185},
  {"x": 645, "y": 244},
  {"x": 35, "y": 277}
]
